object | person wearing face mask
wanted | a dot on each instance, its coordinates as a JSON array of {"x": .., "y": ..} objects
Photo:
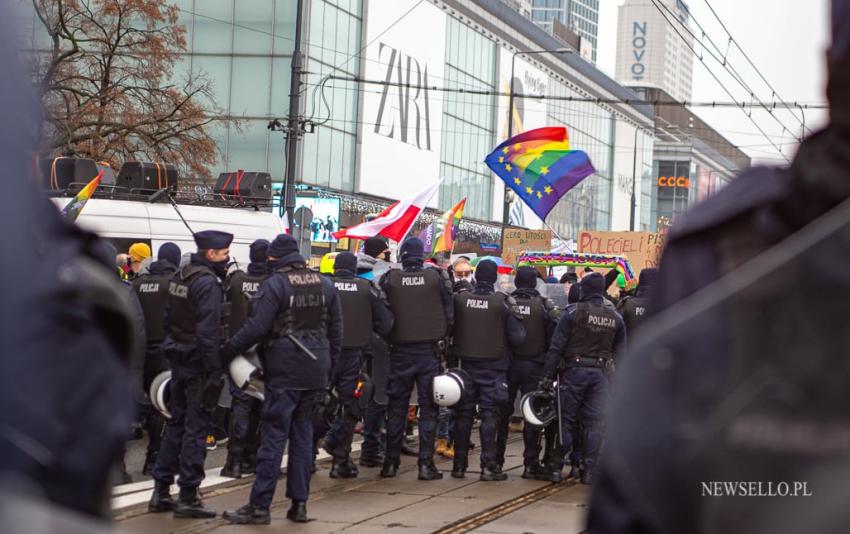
[{"x": 193, "y": 322}]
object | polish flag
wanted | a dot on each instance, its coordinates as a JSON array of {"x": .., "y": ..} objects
[
  {"x": 285, "y": 220},
  {"x": 395, "y": 221}
]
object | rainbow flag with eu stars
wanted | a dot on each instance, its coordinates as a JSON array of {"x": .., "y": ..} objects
[{"x": 540, "y": 167}]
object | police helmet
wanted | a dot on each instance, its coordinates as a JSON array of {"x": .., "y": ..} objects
[
  {"x": 538, "y": 408},
  {"x": 247, "y": 375},
  {"x": 160, "y": 393},
  {"x": 449, "y": 387}
]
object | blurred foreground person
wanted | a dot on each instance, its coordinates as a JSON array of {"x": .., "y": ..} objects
[
  {"x": 67, "y": 335},
  {"x": 737, "y": 384}
]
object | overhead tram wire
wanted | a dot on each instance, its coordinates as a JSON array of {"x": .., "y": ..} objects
[
  {"x": 752, "y": 64},
  {"x": 713, "y": 75},
  {"x": 727, "y": 66}
]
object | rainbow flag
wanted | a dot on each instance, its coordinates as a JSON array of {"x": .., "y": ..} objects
[
  {"x": 72, "y": 209},
  {"x": 540, "y": 167},
  {"x": 447, "y": 227}
]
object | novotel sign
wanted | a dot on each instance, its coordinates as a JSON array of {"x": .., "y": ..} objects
[
  {"x": 674, "y": 181},
  {"x": 638, "y": 49}
]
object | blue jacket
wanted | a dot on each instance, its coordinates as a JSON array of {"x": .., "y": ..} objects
[
  {"x": 562, "y": 334},
  {"x": 285, "y": 365},
  {"x": 206, "y": 295}
]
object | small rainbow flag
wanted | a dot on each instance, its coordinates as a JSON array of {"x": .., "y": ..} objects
[
  {"x": 447, "y": 228},
  {"x": 72, "y": 209},
  {"x": 540, "y": 167}
]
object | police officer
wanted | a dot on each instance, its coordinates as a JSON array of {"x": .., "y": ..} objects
[
  {"x": 584, "y": 344},
  {"x": 297, "y": 315},
  {"x": 539, "y": 316},
  {"x": 152, "y": 290},
  {"x": 421, "y": 300},
  {"x": 240, "y": 286},
  {"x": 193, "y": 324},
  {"x": 633, "y": 308},
  {"x": 364, "y": 310},
  {"x": 485, "y": 330}
]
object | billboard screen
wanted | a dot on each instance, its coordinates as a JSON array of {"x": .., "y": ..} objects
[{"x": 325, "y": 217}]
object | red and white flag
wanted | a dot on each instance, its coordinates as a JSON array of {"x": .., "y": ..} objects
[
  {"x": 285, "y": 220},
  {"x": 395, "y": 221}
]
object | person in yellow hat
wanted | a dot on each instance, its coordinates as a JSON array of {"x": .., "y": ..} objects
[{"x": 139, "y": 252}]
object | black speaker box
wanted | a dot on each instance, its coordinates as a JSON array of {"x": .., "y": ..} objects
[
  {"x": 59, "y": 173},
  {"x": 147, "y": 176},
  {"x": 246, "y": 185}
]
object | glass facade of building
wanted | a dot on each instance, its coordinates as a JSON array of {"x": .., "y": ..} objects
[
  {"x": 581, "y": 16},
  {"x": 468, "y": 129}
]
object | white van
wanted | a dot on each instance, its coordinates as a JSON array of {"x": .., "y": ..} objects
[{"x": 127, "y": 221}]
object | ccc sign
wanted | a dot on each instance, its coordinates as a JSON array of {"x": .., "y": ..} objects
[{"x": 674, "y": 181}]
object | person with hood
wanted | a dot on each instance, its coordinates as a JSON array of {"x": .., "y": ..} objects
[
  {"x": 372, "y": 263},
  {"x": 365, "y": 311},
  {"x": 240, "y": 287},
  {"x": 740, "y": 367},
  {"x": 421, "y": 301},
  {"x": 634, "y": 308},
  {"x": 297, "y": 315},
  {"x": 151, "y": 287},
  {"x": 582, "y": 352},
  {"x": 486, "y": 329},
  {"x": 539, "y": 317},
  {"x": 193, "y": 324}
]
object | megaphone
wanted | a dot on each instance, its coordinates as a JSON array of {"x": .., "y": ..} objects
[
  {"x": 159, "y": 393},
  {"x": 247, "y": 375}
]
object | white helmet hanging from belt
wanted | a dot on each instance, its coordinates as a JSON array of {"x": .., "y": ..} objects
[
  {"x": 538, "y": 408},
  {"x": 159, "y": 393},
  {"x": 449, "y": 387},
  {"x": 247, "y": 375}
]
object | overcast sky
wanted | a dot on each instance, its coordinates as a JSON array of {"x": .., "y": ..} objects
[{"x": 785, "y": 39}]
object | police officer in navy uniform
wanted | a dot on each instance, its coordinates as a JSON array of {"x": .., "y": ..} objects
[
  {"x": 539, "y": 316},
  {"x": 421, "y": 301},
  {"x": 486, "y": 330},
  {"x": 193, "y": 324},
  {"x": 739, "y": 376},
  {"x": 152, "y": 290},
  {"x": 584, "y": 344},
  {"x": 240, "y": 286},
  {"x": 634, "y": 308},
  {"x": 365, "y": 311},
  {"x": 297, "y": 317}
]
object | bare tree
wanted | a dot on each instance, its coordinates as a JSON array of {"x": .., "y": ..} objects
[{"x": 108, "y": 88}]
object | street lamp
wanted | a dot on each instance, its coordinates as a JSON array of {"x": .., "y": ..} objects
[{"x": 506, "y": 206}]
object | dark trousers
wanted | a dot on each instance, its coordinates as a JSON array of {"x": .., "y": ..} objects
[
  {"x": 286, "y": 416},
  {"x": 583, "y": 391},
  {"x": 490, "y": 392},
  {"x": 341, "y": 432},
  {"x": 373, "y": 424},
  {"x": 523, "y": 377},
  {"x": 244, "y": 418},
  {"x": 409, "y": 366},
  {"x": 183, "y": 448},
  {"x": 155, "y": 426}
]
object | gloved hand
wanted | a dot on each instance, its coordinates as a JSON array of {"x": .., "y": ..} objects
[
  {"x": 211, "y": 392},
  {"x": 226, "y": 354},
  {"x": 545, "y": 383}
]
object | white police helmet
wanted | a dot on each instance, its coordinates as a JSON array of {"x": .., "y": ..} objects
[
  {"x": 159, "y": 393},
  {"x": 449, "y": 387},
  {"x": 247, "y": 375},
  {"x": 538, "y": 408}
]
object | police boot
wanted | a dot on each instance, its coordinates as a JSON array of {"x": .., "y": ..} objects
[
  {"x": 189, "y": 505},
  {"x": 297, "y": 512},
  {"x": 493, "y": 474},
  {"x": 390, "y": 469},
  {"x": 344, "y": 469},
  {"x": 248, "y": 515},
  {"x": 161, "y": 500},
  {"x": 248, "y": 465},
  {"x": 150, "y": 462},
  {"x": 575, "y": 472},
  {"x": 232, "y": 467},
  {"x": 371, "y": 460},
  {"x": 587, "y": 476},
  {"x": 428, "y": 471},
  {"x": 458, "y": 469},
  {"x": 541, "y": 472}
]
